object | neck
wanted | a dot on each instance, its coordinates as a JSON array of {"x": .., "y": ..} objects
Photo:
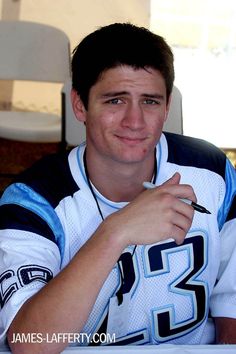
[{"x": 120, "y": 182}]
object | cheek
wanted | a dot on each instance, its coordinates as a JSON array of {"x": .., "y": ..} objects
[
  {"x": 109, "y": 116},
  {"x": 108, "y": 121},
  {"x": 155, "y": 130},
  {"x": 98, "y": 124},
  {"x": 155, "y": 126}
]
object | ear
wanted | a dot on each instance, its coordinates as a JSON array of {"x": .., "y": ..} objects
[{"x": 78, "y": 106}]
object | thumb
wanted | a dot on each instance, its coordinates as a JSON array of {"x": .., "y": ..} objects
[{"x": 175, "y": 179}]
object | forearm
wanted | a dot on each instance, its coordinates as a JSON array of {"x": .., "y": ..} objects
[{"x": 64, "y": 304}]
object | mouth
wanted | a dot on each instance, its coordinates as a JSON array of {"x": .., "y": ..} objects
[{"x": 131, "y": 140}]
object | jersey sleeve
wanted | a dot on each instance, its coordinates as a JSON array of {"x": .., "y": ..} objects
[
  {"x": 223, "y": 299},
  {"x": 31, "y": 249}
]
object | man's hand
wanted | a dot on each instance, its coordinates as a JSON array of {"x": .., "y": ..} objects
[{"x": 156, "y": 214}]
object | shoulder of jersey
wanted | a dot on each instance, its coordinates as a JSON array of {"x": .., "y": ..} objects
[
  {"x": 188, "y": 151},
  {"x": 51, "y": 178}
]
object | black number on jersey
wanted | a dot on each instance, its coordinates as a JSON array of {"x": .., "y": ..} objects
[
  {"x": 10, "y": 281},
  {"x": 8, "y": 291},
  {"x": 184, "y": 284}
]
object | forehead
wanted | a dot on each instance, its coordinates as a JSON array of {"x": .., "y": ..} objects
[{"x": 125, "y": 76}]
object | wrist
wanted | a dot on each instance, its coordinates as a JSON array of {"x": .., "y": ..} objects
[{"x": 112, "y": 233}]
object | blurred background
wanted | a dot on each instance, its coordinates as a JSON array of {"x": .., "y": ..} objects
[{"x": 202, "y": 34}]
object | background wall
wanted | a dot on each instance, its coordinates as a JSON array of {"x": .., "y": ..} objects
[{"x": 77, "y": 17}]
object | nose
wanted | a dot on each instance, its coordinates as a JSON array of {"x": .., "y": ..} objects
[{"x": 133, "y": 117}]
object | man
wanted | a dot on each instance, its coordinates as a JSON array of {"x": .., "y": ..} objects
[{"x": 86, "y": 249}]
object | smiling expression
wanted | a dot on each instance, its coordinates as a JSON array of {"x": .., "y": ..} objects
[{"x": 127, "y": 108}]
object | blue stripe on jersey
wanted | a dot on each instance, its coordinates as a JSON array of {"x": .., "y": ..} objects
[
  {"x": 18, "y": 218},
  {"x": 51, "y": 178},
  {"x": 228, "y": 209},
  {"x": 22, "y": 195},
  {"x": 188, "y": 151}
]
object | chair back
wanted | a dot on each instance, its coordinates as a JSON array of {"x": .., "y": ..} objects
[
  {"x": 174, "y": 122},
  {"x": 33, "y": 51}
]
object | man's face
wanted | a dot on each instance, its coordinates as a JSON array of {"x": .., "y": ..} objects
[{"x": 127, "y": 108}]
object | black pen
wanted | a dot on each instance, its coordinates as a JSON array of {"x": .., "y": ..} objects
[{"x": 195, "y": 206}]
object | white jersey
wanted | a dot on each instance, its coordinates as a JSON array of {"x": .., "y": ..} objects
[{"x": 49, "y": 213}]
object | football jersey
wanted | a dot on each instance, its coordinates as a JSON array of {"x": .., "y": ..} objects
[{"x": 49, "y": 212}]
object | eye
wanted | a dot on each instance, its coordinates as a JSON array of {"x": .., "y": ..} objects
[
  {"x": 114, "y": 101},
  {"x": 150, "y": 101}
]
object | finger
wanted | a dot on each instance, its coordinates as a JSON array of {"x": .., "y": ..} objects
[
  {"x": 188, "y": 191},
  {"x": 181, "y": 191},
  {"x": 180, "y": 215},
  {"x": 175, "y": 179},
  {"x": 178, "y": 235},
  {"x": 179, "y": 218},
  {"x": 183, "y": 222},
  {"x": 183, "y": 208}
]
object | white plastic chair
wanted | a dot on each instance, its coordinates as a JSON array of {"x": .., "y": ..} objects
[
  {"x": 174, "y": 122},
  {"x": 74, "y": 131},
  {"x": 32, "y": 52}
]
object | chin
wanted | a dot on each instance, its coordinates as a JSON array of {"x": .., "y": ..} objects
[{"x": 133, "y": 156}]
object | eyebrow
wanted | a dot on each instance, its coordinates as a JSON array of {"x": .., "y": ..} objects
[
  {"x": 121, "y": 93},
  {"x": 114, "y": 93},
  {"x": 155, "y": 95}
]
